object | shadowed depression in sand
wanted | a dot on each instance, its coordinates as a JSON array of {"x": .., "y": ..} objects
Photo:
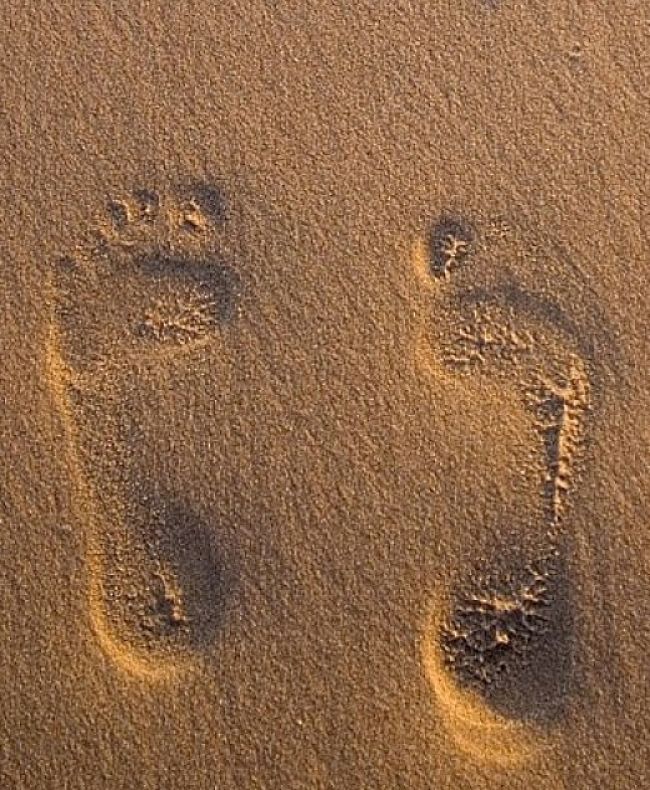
[
  {"x": 152, "y": 288},
  {"x": 498, "y": 645}
]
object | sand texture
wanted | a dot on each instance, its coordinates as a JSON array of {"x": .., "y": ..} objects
[{"x": 325, "y": 395}]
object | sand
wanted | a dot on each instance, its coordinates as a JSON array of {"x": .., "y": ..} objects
[{"x": 325, "y": 395}]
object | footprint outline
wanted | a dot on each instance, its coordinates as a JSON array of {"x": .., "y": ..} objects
[
  {"x": 511, "y": 740},
  {"x": 110, "y": 244}
]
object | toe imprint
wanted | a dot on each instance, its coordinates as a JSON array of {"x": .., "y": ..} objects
[
  {"x": 156, "y": 277},
  {"x": 451, "y": 242}
]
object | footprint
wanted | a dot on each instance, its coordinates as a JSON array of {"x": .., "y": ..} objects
[
  {"x": 487, "y": 323},
  {"x": 153, "y": 279},
  {"x": 496, "y": 650},
  {"x": 150, "y": 291},
  {"x": 496, "y": 644}
]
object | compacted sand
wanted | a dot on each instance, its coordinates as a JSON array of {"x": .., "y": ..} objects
[{"x": 325, "y": 395}]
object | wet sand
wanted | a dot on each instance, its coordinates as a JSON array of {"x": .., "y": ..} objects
[{"x": 325, "y": 393}]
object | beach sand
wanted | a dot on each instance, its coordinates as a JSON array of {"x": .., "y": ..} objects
[{"x": 325, "y": 391}]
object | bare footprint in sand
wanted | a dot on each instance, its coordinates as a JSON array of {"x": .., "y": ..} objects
[
  {"x": 150, "y": 293},
  {"x": 497, "y": 645}
]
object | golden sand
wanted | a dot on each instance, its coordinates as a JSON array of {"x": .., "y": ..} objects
[{"x": 325, "y": 386}]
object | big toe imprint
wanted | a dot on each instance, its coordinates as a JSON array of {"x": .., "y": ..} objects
[
  {"x": 154, "y": 288},
  {"x": 497, "y": 642}
]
